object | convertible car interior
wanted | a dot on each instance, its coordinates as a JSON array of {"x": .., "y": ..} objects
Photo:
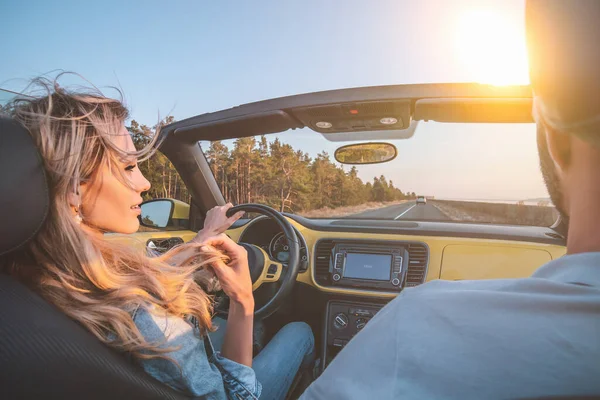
[{"x": 333, "y": 272}]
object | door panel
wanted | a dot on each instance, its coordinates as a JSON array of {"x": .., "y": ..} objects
[{"x": 164, "y": 238}]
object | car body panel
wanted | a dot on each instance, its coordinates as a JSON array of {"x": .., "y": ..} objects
[{"x": 181, "y": 213}]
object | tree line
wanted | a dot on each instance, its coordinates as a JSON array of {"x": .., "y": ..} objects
[{"x": 256, "y": 170}]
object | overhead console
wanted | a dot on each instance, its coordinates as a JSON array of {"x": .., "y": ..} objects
[
  {"x": 356, "y": 116},
  {"x": 370, "y": 265}
]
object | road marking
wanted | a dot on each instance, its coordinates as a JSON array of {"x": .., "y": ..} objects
[{"x": 406, "y": 211}]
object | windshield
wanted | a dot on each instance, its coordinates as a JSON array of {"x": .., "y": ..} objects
[{"x": 484, "y": 173}]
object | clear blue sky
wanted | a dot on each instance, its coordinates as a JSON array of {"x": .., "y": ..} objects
[{"x": 189, "y": 57}]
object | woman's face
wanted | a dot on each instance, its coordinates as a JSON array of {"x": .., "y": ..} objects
[{"x": 107, "y": 204}]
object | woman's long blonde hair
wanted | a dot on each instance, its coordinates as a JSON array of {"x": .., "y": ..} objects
[{"x": 96, "y": 282}]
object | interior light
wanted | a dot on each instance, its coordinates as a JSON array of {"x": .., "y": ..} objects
[
  {"x": 323, "y": 125},
  {"x": 388, "y": 121}
]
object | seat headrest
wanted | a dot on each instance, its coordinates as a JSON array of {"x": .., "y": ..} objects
[{"x": 24, "y": 196}]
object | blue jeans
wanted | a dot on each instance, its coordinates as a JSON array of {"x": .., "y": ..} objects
[{"x": 291, "y": 349}]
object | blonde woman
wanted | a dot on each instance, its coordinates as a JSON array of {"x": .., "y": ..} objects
[{"x": 153, "y": 309}]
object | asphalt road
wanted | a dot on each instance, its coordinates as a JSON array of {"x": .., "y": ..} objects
[{"x": 410, "y": 211}]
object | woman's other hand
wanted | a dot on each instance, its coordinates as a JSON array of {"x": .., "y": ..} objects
[
  {"x": 217, "y": 222},
  {"x": 234, "y": 276}
]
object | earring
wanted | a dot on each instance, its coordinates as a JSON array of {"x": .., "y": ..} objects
[{"x": 78, "y": 218}]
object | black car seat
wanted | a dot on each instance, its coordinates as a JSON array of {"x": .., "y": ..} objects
[{"x": 43, "y": 353}]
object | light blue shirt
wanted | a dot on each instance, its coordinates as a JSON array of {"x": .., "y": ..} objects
[
  {"x": 494, "y": 339},
  {"x": 204, "y": 372}
]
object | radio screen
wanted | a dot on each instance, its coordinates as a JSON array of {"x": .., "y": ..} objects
[{"x": 375, "y": 267}]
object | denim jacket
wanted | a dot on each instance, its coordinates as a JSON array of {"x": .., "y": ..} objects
[{"x": 204, "y": 372}]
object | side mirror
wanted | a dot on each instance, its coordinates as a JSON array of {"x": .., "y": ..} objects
[
  {"x": 156, "y": 213},
  {"x": 366, "y": 153}
]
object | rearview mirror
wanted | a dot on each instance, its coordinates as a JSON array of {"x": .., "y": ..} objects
[
  {"x": 156, "y": 213},
  {"x": 366, "y": 153}
]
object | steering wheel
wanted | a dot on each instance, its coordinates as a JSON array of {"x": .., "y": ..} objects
[{"x": 263, "y": 269}]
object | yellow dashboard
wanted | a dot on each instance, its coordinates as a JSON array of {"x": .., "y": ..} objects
[{"x": 450, "y": 258}]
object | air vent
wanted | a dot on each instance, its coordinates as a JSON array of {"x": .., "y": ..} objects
[
  {"x": 322, "y": 257},
  {"x": 417, "y": 264}
]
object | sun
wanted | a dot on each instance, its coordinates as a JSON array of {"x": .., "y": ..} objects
[{"x": 492, "y": 48}]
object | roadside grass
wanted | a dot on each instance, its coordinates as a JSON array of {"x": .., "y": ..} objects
[{"x": 496, "y": 213}]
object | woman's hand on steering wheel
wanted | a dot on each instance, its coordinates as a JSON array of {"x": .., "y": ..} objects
[
  {"x": 234, "y": 276},
  {"x": 217, "y": 222},
  {"x": 237, "y": 279}
]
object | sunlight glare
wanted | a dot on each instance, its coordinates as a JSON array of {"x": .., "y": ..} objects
[{"x": 492, "y": 48}]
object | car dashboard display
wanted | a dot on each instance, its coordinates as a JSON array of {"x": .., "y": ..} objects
[
  {"x": 368, "y": 267},
  {"x": 369, "y": 264}
]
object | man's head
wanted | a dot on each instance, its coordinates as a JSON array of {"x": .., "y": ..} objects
[{"x": 563, "y": 40}]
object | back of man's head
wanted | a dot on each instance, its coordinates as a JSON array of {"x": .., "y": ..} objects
[{"x": 563, "y": 38}]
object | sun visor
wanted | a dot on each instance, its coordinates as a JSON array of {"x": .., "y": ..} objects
[
  {"x": 243, "y": 126},
  {"x": 373, "y": 135},
  {"x": 483, "y": 110}
]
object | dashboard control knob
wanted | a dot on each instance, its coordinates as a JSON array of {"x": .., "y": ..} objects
[
  {"x": 360, "y": 323},
  {"x": 336, "y": 277},
  {"x": 395, "y": 281},
  {"x": 340, "y": 321}
]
